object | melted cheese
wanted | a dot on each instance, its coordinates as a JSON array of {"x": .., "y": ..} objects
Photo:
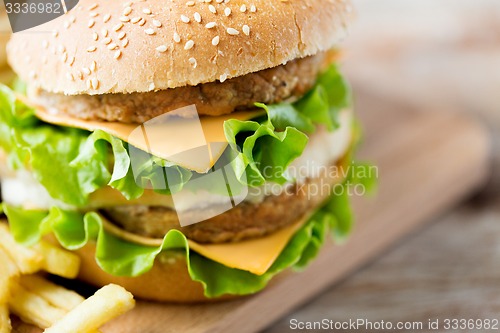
[
  {"x": 254, "y": 255},
  {"x": 191, "y": 142}
]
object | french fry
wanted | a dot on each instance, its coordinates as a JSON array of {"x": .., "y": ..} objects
[
  {"x": 58, "y": 261},
  {"x": 33, "y": 309},
  {"x": 56, "y": 295},
  {"x": 26, "y": 259},
  {"x": 9, "y": 267},
  {"x": 107, "y": 303},
  {"x": 5, "y": 326},
  {"x": 9, "y": 272}
]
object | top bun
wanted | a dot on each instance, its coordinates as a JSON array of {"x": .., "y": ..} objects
[{"x": 116, "y": 46}]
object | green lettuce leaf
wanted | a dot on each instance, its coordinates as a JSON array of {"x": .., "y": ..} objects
[
  {"x": 266, "y": 153},
  {"x": 269, "y": 145},
  {"x": 115, "y": 256}
]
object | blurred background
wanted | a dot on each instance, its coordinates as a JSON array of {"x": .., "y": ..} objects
[
  {"x": 6, "y": 76},
  {"x": 433, "y": 53},
  {"x": 437, "y": 55}
]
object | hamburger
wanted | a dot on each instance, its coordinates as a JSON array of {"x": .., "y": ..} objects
[{"x": 102, "y": 151}]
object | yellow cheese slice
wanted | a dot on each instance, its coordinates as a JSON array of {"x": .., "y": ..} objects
[
  {"x": 193, "y": 143},
  {"x": 255, "y": 255}
]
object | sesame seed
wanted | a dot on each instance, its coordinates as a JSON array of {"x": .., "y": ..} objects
[
  {"x": 127, "y": 11},
  {"x": 66, "y": 25},
  {"x": 118, "y": 27},
  {"x": 212, "y": 9},
  {"x": 95, "y": 83},
  {"x": 253, "y": 9},
  {"x": 64, "y": 57},
  {"x": 118, "y": 54},
  {"x": 142, "y": 22},
  {"x": 189, "y": 45},
  {"x": 106, "y": 18},
  {"x": 193, "y": 62},
  {"x": 104, "y": 32},
  {"x": 122, "y": 35},
  {"x": 232, "y": 31},
  {"x": 157, "y": 23},
  {"x": 210, "y": 25},
  {"x": 71, "y": 61},
  {"x": 94, "y": 6},
  {"x": 70, "y": 76},
  {"x": 61, "y": 49},
  {"x": 80, "y": 75},
  {"x": 177, "y": 38},
  {"x": 146, "y": 11},
  {"x": 125, "y": 42},
  {"x": 149, "y": 31},
  {"x": 215, "y": 41},
  {"x": 161, "y": 48},
  {"x": 95, "y": 36},
  {"x": 197, "y": 17},
  {"x": 243, "y": 8},
  {"x": 91, "y": 23},
  {"x": 72, "y": 19},
  {"x": 125, "y": 19},
  {"x": 94, "y": 14},
  {"x": 185, "y": 19},
  {"x": 223, "y": 77},
  {"x": 91, "y": 49},
  {"x": 112, "y": 46},
  {"x": 89, "y": 84},
  {"x": 86, "y": 70},
  {"x": 246, "y": 30},
  {"x": 190, "y": 3},
  {"x": 219, "y": 1},
  {"x": 93, "y": 66},
  {"x": 106, "y": 41},
  {"x": 55, "y": 33},
  {"x": 227, "y": 11},
  {"x": 136, "y": 19}
]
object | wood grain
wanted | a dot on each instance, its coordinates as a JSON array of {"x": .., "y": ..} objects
[
  {"x": 449, "y": 270},
  {"x": 428, "y": 161}
]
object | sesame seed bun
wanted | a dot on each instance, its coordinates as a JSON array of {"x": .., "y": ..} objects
[{"x": 119, "y": 47}]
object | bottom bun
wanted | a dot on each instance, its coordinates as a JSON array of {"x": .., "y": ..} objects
[{"x": 167, "y": 281}]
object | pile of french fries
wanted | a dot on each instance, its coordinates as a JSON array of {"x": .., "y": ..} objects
[{"x": 37, "y": 301}]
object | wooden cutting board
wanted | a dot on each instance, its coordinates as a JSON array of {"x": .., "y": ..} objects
[{"x": 428, "y": 161}]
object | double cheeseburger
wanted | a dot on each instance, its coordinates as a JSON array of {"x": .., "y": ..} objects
[{"x": 94, "y": 150}]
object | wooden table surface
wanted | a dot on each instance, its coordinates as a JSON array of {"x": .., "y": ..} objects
[{"x": 432, "y": 52}]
